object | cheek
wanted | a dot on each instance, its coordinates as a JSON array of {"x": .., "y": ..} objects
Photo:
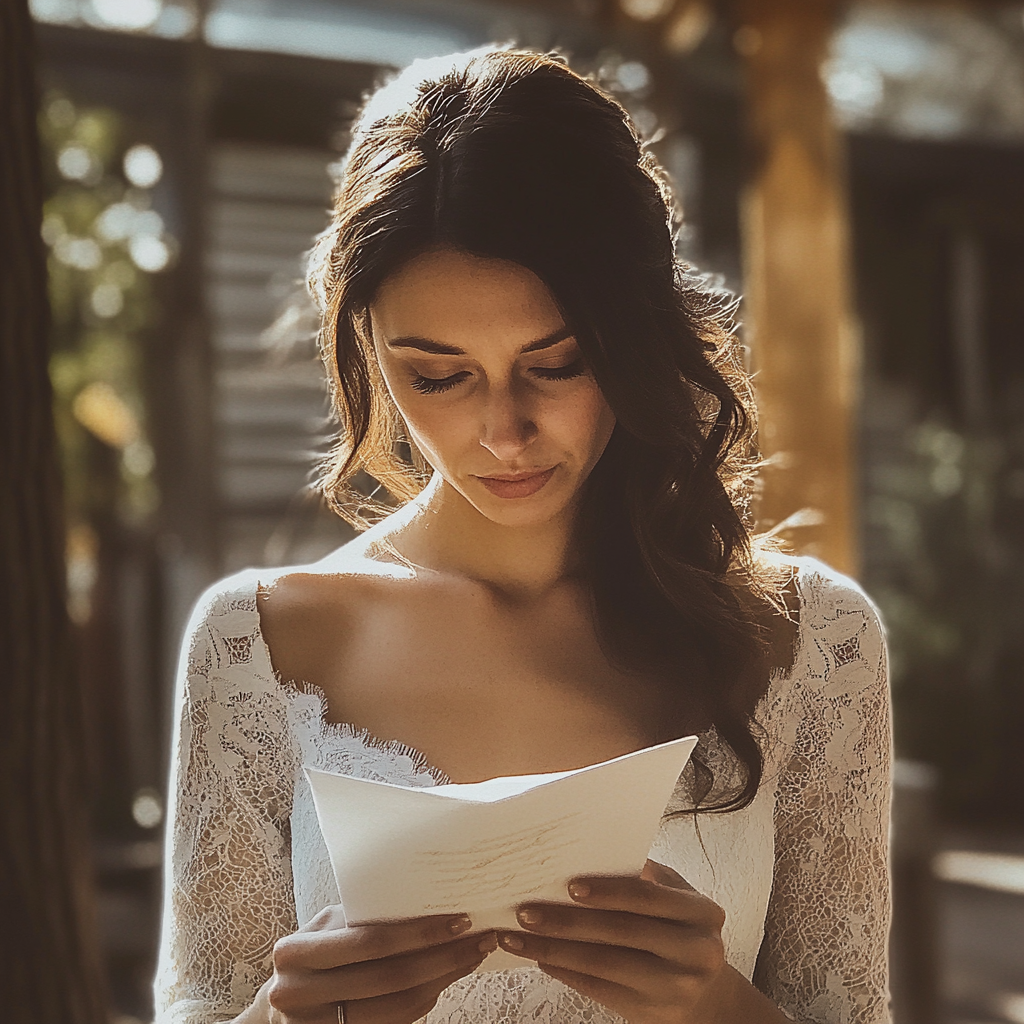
[
  {"x": 583, "y": 423},
  {"x": 434, "y": 425},
  {"x": 441, "y": 430},
  {"x": 444, "y": 431}
]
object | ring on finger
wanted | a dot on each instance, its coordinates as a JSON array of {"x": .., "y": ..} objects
[{"x": 341, "y": 1012}]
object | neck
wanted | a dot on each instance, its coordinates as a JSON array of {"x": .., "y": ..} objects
[{"x": 448, "y": 534}]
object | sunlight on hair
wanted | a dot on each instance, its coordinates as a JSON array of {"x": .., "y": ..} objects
[{"x": 401, "y": 92}]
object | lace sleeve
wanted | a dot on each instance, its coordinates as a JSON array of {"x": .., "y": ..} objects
[
  {"x": 228, "y": 886},
  {"x": 824, "y": 955}
]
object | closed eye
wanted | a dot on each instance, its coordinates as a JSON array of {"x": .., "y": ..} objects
[
  {"x": 435, "y": 385},
  {"x": 438, "y": 385},
  {"x": 574, "y": 369}
]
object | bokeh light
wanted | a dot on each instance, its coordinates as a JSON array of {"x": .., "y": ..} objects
[
  {"x": 149, "y": 253},
  {"x": 74, "y": 162},
  {"x": 646, "y": 10},
  {"x": 130, "y": 15},
  {"x": 147, "y": 808},
  {"x": 143, "y": 166}
]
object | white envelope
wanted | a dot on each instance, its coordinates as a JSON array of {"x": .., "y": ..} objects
[{"x": 485, "y": 847}]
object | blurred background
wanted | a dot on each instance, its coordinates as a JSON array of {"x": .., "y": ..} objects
[{"x": 187, "y": 146}]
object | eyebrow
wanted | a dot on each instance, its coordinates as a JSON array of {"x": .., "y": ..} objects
[{"x": 438, "y": 348}]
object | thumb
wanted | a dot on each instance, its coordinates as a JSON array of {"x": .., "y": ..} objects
[{"x": 664, "y": 875}]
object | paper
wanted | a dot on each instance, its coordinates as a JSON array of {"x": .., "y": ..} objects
[{"x": 485, "y": 847}]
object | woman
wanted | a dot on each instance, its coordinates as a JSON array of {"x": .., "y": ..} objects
[{"x": 515, "y": 352}]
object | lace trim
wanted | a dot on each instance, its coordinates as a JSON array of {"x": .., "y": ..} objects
[{"x": 337, "y": 732}]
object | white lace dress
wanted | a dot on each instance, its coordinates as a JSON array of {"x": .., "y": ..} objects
[{"x": 801, "y": 872}]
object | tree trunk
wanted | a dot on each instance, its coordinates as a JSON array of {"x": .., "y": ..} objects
[
  {"x": 50, "y": 960},
  {"x": 797, "y": 276}
]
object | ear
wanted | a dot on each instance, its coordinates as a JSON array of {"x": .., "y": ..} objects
[{"x": 663, "y": 875}]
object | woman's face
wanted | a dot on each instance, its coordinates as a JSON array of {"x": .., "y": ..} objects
[{"x": 491, "y": 383}]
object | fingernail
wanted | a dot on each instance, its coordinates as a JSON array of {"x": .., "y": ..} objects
[
  {"x": 460, "y": 924},
  {"x": 529, "y": 916},
  {"x": 511, "y": 941},
  {"x": 579, "y": 890},
  {"x": 488, "y": 944}
]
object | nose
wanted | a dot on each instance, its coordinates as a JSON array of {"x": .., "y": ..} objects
[{"x": 507, "y": 428}]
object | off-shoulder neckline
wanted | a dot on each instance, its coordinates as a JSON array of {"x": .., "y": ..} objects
[
  {"x": 805, "y": 567},
  {"x": 338, "y": 730}
]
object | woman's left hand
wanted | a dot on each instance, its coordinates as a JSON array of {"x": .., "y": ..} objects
[{"x": 648, "y": 948}]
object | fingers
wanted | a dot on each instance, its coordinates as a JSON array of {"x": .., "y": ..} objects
[
  {"x": 616, "y": 997},
  {"x": 370, "y": 979},
  {"x": 627, "y": 968},
  {"x": 620, "y": 978},
  {"x": 667, "y": 939},
  {"x": 409, "y": 1005},
  {"x": 323, "y": 948},
  {"x": 648, "y": 898},
  {"x": 641, "y": 946},
  {"x": 410, "y": 970},
  {"x": 330, "y": 918},
  {"x": 664, "y": 875}
]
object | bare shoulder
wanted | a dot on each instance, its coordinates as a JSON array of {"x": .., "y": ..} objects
[{"x": 306, "y": 611}]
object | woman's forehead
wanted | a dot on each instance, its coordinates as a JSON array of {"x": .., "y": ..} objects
[{"x": 460, "y": 300}]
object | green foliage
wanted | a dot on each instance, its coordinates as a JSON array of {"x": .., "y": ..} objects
[
  {"x": 952, "y": 601},
  {"x": 105, "y": 243}
]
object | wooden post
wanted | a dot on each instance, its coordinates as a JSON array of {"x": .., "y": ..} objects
[
  {"x": 797, "y": 288},
  {"x": 51, "y": 968}
]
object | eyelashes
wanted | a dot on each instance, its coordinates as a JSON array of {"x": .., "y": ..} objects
[
  {"x": 435, "y": 385},
  {"x": 438, "y": 385},
  {"x": 567, "y": 372}
]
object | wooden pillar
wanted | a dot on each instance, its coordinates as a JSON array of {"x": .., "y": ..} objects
[
  {"x": 50, "y": 968},
  {"x": 797, "y": 308}
]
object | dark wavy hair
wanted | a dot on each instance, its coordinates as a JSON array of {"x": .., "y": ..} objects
[{"x": 511, "y": 155}]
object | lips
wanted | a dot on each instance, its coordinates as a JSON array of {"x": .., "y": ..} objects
[{"x": 517, "y": 485}]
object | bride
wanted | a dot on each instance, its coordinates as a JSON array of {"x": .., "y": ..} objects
[{"x": 516, "y": 355}]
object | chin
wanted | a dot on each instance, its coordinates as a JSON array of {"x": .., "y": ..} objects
[{"x": 535, "y": 510}]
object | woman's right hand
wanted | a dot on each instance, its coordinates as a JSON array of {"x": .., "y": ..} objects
[{"x": 383, "y": 973}]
